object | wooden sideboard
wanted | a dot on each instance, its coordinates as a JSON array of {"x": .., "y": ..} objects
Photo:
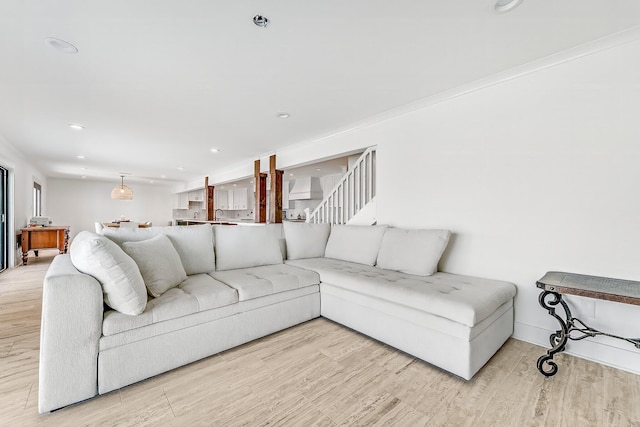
[{"x": 34, "y": 238}]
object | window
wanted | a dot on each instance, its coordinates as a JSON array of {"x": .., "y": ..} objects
[
  {"x": 4, "y": 226},
  {"x": 37, "y": 199}
]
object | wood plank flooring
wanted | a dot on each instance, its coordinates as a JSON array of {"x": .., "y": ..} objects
[{"x": 315, "y": 374}]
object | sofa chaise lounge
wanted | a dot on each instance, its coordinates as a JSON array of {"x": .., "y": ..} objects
[{"x": 134, "y": 303}]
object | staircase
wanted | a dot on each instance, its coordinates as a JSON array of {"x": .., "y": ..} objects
[{"x": 352, "y": 193}]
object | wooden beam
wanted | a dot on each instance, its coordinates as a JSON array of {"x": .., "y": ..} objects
[
  {"x": 260, "y": 179},
  {"x": 275, "y": 205},
  {"x": 209, "y": 197}
]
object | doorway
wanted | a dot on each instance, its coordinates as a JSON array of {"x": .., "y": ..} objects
[{"x": 4, "y": 229}]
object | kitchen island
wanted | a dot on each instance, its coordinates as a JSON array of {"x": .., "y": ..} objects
[
  {"x": 185, "y": 221},
  {"x": 222, "y": 221}
]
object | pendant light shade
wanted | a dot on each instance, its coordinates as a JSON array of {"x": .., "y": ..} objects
[{"x": 122, "y": 192}]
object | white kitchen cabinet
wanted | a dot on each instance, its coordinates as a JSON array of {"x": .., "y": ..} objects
[
  {"x": 285, "y": 194},
  {"x": 181, "y": 201},
  {"x": 231, "y": 200},
  {"x": 242, "y": 199},
  {"x": 196, "y": 196},
  {"x": 238, "y": 199},
  {"x": 221, "y": 199}
]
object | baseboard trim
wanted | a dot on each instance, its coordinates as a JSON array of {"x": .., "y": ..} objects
[{"x": 593, "y": 349}]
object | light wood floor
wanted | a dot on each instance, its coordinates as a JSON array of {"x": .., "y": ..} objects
[{"x": 317, "y": 373}]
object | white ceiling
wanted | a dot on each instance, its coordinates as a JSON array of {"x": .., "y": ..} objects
[{"x": 158, "y": 83}]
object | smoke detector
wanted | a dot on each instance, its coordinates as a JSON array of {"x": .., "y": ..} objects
[{"x": 261, "y": 21}]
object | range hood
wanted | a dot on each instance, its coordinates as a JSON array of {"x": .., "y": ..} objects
[{"x": 308, "y": 188}]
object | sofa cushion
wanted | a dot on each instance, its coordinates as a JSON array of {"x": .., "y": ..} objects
[
  {"x": 199, "y": 292},
  {"x": 305, "y": 240},
  {"x": 256, "y": 282},
  {"x": 122, "y": 283},
  {"x": 122, "y": 330},
  {"x": 463, "y": 299},
  {"x": 246, "y": 246},
  {"x": 194, "y": 243},
  {"x": 355, "y": 243},
  {"x": 159, "y": 263},
  {"x": 412, "y": 251}
]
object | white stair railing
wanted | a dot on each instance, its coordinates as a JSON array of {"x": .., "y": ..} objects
[{"x": 350, "y": 194}]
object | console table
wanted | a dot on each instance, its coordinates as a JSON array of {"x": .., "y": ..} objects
[
  {"x": 44, "y": 238},
  {"x": 554, "y": 284}
]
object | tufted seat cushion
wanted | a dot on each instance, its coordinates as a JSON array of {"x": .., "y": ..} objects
[
  {"x": 256, "y": 282},
  {"x": 198, "y": 292},
  {"x": 463, "y": 299}
]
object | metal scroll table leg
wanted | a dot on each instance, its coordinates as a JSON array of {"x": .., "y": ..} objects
[{"x": 558, "y": 339}]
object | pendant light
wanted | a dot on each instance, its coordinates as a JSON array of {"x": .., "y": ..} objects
[{"x": 122, "y": 192}]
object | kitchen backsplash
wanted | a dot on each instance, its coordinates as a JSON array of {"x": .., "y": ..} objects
[
  {"x": 190, "y": 213},
  {"x": 202, "y": 214}
]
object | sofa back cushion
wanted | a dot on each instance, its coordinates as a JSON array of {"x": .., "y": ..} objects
[
  {"x": 159, "y": 263},
  {"x": 194, "y": 243},
  {"x": 122, "y": 284},
  {"x": 412, "y": 251},
  {"x": 240, "y": 246},
  {"x": 305, "y": 240},
  {"x": 355, "y": 243}
]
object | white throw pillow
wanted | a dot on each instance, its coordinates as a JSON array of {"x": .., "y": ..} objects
[
  {"x": 194, "y": 243},
  {"x": 355, "y": 243},
  {"x": 412, "y": 251},
  {"x": 305, "y": 240},
  {"x": 117, "y": 272},
  {"x": 159, "y": 263},
  {"x": 239, "y": 246}
]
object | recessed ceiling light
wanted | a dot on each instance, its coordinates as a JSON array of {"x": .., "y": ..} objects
[
  {"x": 151, "y": 182},
  {"x": 290, "y": 174},
  {"x": 84, "y": 177},
  {"x": 318, "y": 169},
  {"x": 261, "y": 21},
  {"x": 163, "y": 176},
  {"x": 283, "y": 115},
  {"x": 235, "y": 185},
  {"x": 80, "y": 156},
  {"x": 506, "y": 5},
  {"x": 180, "y": 168},
  {"x": 61, "y": 45},
  {"x": 76, "y": 126},
  {"x": 215, "y": 150}
]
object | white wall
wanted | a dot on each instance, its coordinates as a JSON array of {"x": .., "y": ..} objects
[
  {"x": 538, "y": 173},
  {"x": 22, "y": 175},
  {"x": 535, "y": 173},
  {"x": 80, "y": 203}
]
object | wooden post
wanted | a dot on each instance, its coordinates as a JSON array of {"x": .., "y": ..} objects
[
  {"x": 209, "y": 197},
  {"x": 260, "y": 210},
  {"x": 275, "y": 207}
]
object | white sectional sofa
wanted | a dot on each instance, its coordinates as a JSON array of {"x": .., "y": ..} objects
[{"x": 134, "y": 303}]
